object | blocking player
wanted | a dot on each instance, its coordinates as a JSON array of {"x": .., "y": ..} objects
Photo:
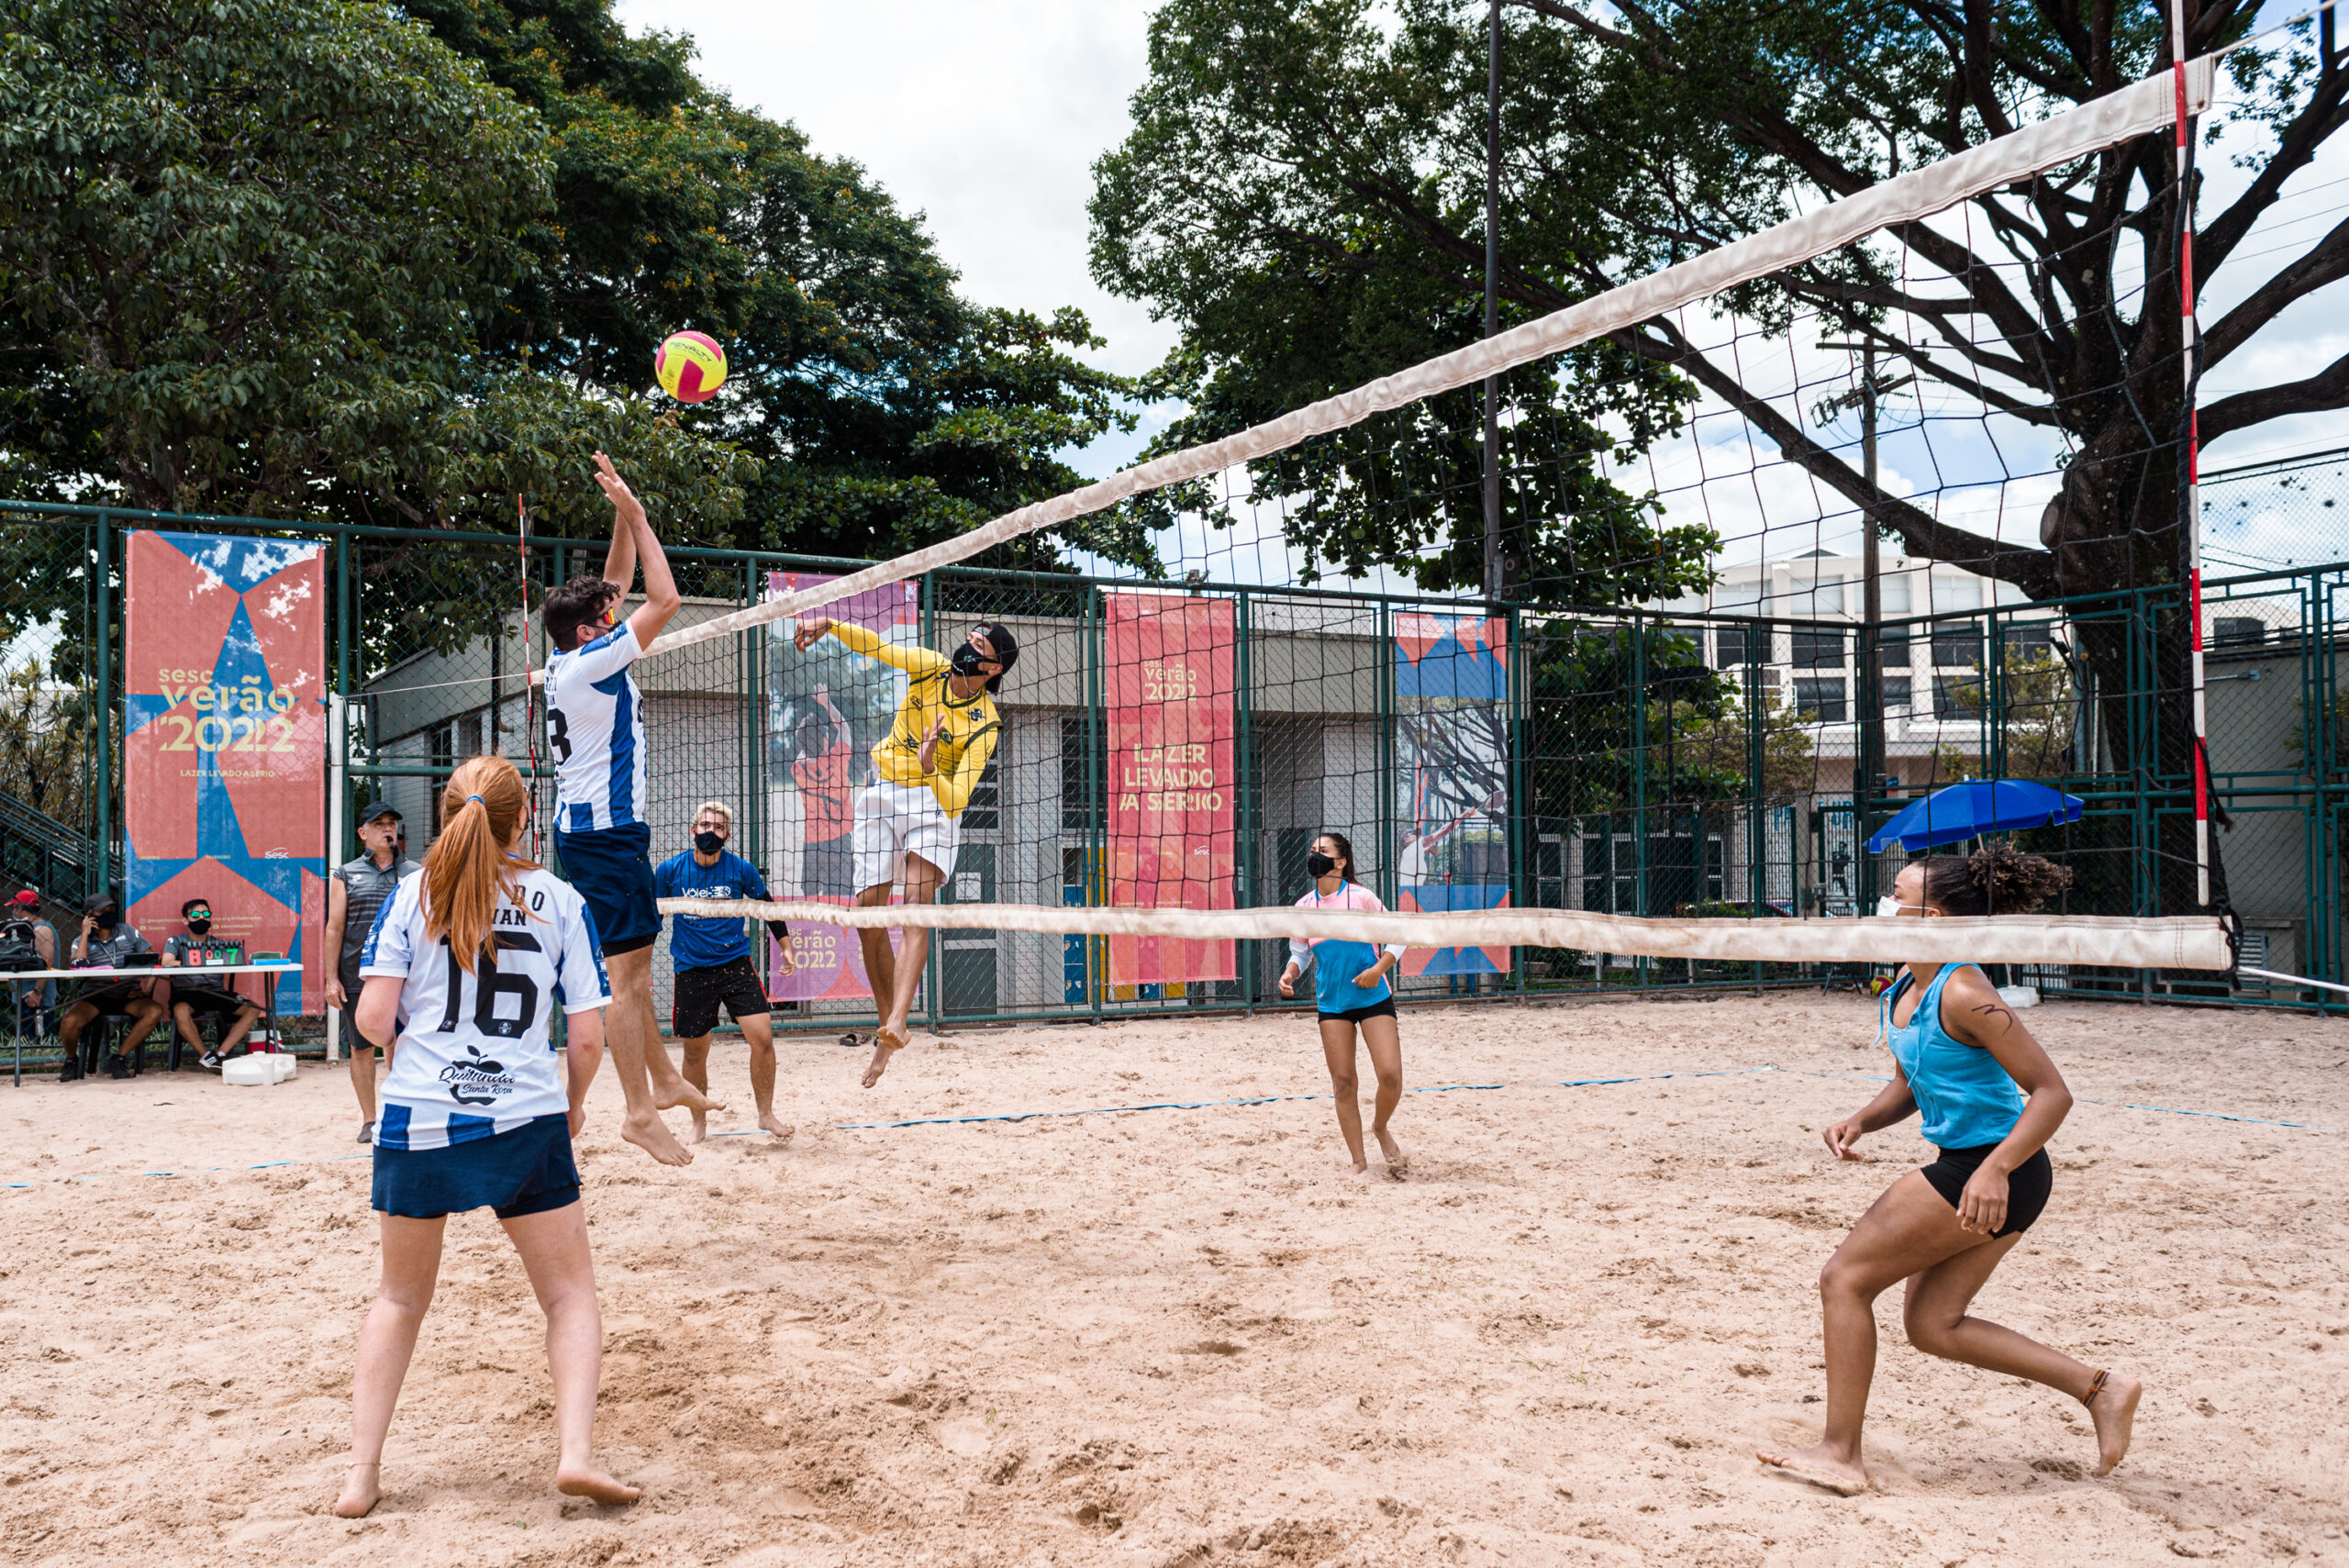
[
  {"x": 596, "y": 734},
  {"x": 711, "y": 959},
  {"x": 908, "y": 823}
]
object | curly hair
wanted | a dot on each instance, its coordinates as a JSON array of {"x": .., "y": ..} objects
[{"x": 2001, "y": 880}]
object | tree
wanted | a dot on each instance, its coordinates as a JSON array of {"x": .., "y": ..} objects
[
  {"x": 246, "y": 250},
  {"x": 1300, "y": 193},
  {"x": 886, "y": 411},
  {"x": 1637, "y": 135}
]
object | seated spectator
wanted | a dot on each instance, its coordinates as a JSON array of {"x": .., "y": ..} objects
[
  {"x": 103, "y": 942},
  {"x": 27, "y": 942},
  {"x": 210, "y": 998}
]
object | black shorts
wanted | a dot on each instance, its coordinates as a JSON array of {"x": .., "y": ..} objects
[
  {"x": 693, "y": 1009},
  {"x": 110, "y": 995},
  {"x": 1382, "y": 1008},
  {"x": 611, "y": 868},
  {"x": 2027, "y": 1186},
  {"x": 210, "y": 1001}
]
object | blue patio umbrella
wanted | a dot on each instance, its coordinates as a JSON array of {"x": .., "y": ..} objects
[{"x": 1976, "y": 806}]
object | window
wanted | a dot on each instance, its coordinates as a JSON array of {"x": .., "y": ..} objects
[
  {"x": 1820, "y": 700},
  {"x": 984, "y": 812},
  {"x": 2238, "y": 631},
  {"x": 1736, "y": 646},
  {"x": 1817, "y": 648},
  {"x": 1080, "y": 807},
  {"x": 1956, "y": 697},
  {"x": 1897, "y": 693},
  {"x": 1957, "y": 647},
  {"x": 2026, "y": 644}
]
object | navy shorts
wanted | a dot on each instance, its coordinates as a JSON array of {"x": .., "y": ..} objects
[
  {"x": 612, "y": 869},
  {"x": 527, "y": 1171}
]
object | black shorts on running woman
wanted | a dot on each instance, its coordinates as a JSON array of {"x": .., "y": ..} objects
[{"x": 2027, "y": 1188}]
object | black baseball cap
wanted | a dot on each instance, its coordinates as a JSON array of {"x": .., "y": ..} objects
[
  {"x": 1006, "y": 646},
  {"x": 381, "y": 808}
]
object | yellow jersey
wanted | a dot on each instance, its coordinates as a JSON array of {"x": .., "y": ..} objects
[{"x": 973, "y": 726}]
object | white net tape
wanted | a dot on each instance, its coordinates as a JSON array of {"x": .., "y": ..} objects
[{"x": 2193, "y": 942}]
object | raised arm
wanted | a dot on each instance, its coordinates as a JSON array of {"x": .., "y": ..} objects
[
  {"x": 643, "y": 547},
  {"x": 873, "y": 645},
  {"x": 953, "y": 790}
]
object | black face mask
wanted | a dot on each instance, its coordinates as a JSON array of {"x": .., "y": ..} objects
[
  {"x": 1319, "y": 865},
  {"x": 708, "y": 843},
  {"x": 200, "y": 927},
  {"x": 108, "y": 919},
  {"x": 967, "y": 661}
]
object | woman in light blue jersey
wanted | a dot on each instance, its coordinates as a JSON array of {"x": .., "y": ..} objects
[
  {"x": 1964, "y": 1062},
  {"x": 1351, "y": 992}
]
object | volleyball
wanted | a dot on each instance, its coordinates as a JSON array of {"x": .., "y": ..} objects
[{"x": 690, "y": 366}]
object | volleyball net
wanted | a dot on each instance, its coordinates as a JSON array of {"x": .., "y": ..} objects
[{"x": 1616, "y": 698}]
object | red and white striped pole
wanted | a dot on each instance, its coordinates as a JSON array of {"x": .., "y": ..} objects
[{"x": 2190, "y": 349}]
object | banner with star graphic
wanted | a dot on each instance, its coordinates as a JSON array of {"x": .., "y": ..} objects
[{"x": 224, "y": 745}]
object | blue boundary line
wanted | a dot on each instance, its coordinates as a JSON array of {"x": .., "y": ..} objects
[{"x": 1255, "y": 1100}]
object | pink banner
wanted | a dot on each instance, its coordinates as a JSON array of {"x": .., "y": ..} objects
[
  {"x": 224, "y": 745},
  {"x": 1172, "y": 792},
  {"x": 830, "y": 707}
]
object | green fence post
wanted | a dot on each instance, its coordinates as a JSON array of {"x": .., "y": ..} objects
[
  {"x": 1639, "y": 716},
  {"x": 103, "y": 871},
  {"x": 1097, "y": 768},
  {"x": 1251, "y": 954},
  {"x": 1515, "y": 823}
]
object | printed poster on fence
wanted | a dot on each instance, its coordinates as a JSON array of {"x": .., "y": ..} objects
[
  {"x": 826, "y": 709},
  {"x": 224, "y": 745},
  {"x": 1451, "y": 783},
  {"x": 1172, "y": 840}
]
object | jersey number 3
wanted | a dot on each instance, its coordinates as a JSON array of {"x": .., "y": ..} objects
[
  {"x": 489, "y": 985},
  {"x": 558, "y": 734}
]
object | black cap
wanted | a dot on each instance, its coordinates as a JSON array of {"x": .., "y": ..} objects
[
  {"x": 1006, "y": 646},
  {"x": 97, "y": 901},
  {"x": 381, "y": 808}
]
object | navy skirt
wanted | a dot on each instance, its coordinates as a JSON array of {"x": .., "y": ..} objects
[{"x": 527, "y": 1171}]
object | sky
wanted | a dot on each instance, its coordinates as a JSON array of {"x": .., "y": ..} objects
[{"x": 984, "y": 115}]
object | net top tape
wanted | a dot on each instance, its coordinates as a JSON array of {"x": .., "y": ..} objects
[
  {"x": 2186, "y": 941},
  {"x": 2145, "y": 105}
]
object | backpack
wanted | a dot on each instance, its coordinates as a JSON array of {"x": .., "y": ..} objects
[{"x": 19, "y": 952}]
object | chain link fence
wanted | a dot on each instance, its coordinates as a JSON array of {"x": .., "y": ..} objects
[{"x": 1633, "y": 762}]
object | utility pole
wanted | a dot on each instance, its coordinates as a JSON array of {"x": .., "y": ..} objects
[
  {"x": 1867, "y": 771},
  {"x": 1493, "y": 584}
]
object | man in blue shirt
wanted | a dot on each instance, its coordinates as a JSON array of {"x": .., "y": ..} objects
[{"x": 711, "y": 959}]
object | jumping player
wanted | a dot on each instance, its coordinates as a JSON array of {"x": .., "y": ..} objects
[
  {"x": 595, "y": 733},
  {"x": 908, "y": 824},
  {"x": 711, "y": 961},
  {"x": 1962, "y": 1057},
  {"x": 474, "y": 953},
  {"x": 1350, "y": 992}
]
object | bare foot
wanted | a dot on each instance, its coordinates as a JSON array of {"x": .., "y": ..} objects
[
  {"x": 1397, "y": 1161},
  {"x": 363, "y": 1488},
  {"x": 776, "y": 1125},
  {"x": 650, "y": 1133},
  {"x": 592, "y": 1480},
  {"x": 669, "y": 1096},
  {"x": 885, "y": 1044},
  {"x": 2115, "y": 1414},
  {"x": 1357, "y": 1169},
  {"x": 1822, "y": 1467}
]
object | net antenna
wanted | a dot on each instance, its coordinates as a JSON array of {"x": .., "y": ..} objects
[
  {"x": 2189, "y": 364},
  {"x": 531, "y": 677}
]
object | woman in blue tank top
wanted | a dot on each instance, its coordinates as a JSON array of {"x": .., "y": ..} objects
[{"x": 1964, "y": 1062}]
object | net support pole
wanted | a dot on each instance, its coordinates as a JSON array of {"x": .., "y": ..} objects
[
  {"x": 1492, "y": 300},
  {"x": 2190, "y": 518}
]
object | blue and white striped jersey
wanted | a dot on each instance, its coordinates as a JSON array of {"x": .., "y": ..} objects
[
  {"x": 595, "y": 731},
  {"x": 473, "y": 1057}
]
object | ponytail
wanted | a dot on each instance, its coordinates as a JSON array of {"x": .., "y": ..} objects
[
  {"x": 480, "y": 812},
  {"x": 2001, "y": 880}
]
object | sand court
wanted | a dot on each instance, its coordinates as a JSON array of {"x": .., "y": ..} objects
[{"x": 1174, "y": 1336}]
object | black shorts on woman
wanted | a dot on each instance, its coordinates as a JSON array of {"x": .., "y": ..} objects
[{"x": 2028, "y": 1184}]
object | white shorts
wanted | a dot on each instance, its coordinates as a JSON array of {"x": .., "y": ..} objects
[{"x": 894, "y": 821}]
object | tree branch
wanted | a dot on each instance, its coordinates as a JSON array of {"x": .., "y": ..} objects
[
  {"x": 2328, "y": 262},
  {"x": 2329, "y": 388}
]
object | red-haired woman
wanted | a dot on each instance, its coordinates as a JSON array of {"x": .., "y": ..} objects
[{"x": 479, "y": 1108}]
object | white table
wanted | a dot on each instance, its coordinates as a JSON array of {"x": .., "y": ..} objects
[{"x": 144, "y": 972}]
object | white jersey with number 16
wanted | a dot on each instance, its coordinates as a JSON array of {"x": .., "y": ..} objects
[
  {"x": 596, "y": 729},
  {"x": 473, "y": 1057}
]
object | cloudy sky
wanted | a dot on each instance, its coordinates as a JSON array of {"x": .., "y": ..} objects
[{"x": 985, "y": 115}]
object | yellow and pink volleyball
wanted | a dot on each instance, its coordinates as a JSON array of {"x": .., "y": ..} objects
[{"x": 690, "y": 366}]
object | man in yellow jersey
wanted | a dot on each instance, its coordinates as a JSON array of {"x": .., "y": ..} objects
[{"x": 908, "y": 823}]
